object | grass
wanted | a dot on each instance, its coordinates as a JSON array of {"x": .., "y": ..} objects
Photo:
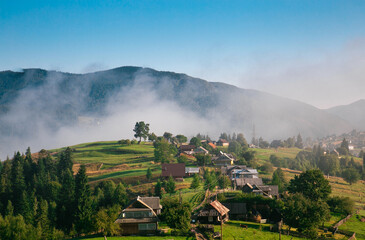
[
  {"x": 263, "y": 155},
  {"x": 232, "y": 230},
  {"x": 355, "y": 225},
  {"x": 138, "y": 238}
]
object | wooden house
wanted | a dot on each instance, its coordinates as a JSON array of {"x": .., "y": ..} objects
[
  {"x": 175, "y": 170},
  {"x": 271, "y": 191},
  {"x": 223, "y": 159},
  {"x": 237, "y": 210},
  {"x": 213, "y": 213},
  {"x": 223, "y": 142},
  {"x": 140, "y": 216}
]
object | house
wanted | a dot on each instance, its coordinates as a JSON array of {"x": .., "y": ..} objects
[
  {"x": 176, "y": 170},
  {"x": 212, "y": 145},
  {"x": 223, "y": 159},
  {"x": 201, "y": 150},
  {"x": 139, "y": 217},
  {"x": 186, "y": 148},
  {"x": 190, "y": 171},
  {"x": 222, "y": 142},
  {"x": 237, "y": 211},
  {"x": 265, "y": 190},
  {"x": 244, "y": 173},
  {"x": 228, "y": 169},
  {"x": 239, "y": 183},
  {"x": 213, "y": 213}
]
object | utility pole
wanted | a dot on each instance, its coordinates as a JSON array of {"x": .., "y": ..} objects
[{"x": 221, "y": 227}]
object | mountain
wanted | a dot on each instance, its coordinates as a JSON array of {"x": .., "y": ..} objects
[
  {"x": 36, "y": 104},
  {"x": 353, "y": 113}
]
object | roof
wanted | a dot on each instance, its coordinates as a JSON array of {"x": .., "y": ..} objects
[
  {"x": 173, "y": 169},
  {"x": 253, "y": 181},
  {"x": 223, "y": 140},
  {"x": 192, "y": 170},
  {"x": 186, "y": 147},
  {"x": 272, "y": 190},
  {"x": 201, "y": 149},
  {"x": 212, "y": 145},
  {"x": 236, "y": 208},
  {"x": 152, "y": 202},
  {"x": 219, "y": 207}
]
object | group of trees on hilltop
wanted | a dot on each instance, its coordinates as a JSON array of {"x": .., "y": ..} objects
[{"x": 47, "y": 201}]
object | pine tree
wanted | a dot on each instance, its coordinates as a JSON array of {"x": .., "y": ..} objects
[
  {"x": 158, "y": 189},
  {"x": 83, "y": 211},
  {"x": 149, "y": 174},
  {"x": 196, "y": 182},
  {"x": 170, "y": 186},
  {"x": 299, "y": 142},
  {"x": 65, "y": 204},
  {"x": 18, "y": 193}
]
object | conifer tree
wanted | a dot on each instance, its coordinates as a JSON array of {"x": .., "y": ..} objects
[
  {"x": 18, "y": 187},
  {"x": 83, "y": 211},
  {"x": 65, "y": 204},
  {"x": 158, "y": 189},
  {"x": 196, "y": 182}
]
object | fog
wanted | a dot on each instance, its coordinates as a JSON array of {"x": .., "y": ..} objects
[
  {"x": 36, "y": 123},
  {"x": 323, "y": 78}
]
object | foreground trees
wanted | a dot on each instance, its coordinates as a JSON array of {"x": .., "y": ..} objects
[{"x": 305, "y": 207}]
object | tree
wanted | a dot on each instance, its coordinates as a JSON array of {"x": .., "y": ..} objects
[
  {"x": 311, "y": 184},
  {"x": 158, "y": 189},
  {"x": 299, "y": 142},
  {"x": 149, "y": 174},
  {"x": 241, "y": 139},
  {"x": 141, "y": 130},
  {"x": 279, "y": 179},
  {"x": 329, "y": 164},
  {"x": 235, "y": 147},
  {"x": 152, "y": 137},
  {"x": 196, "y": 182},
  {"x": 203, "y": 159},
  {"x": 343, "y": 205},
  {"x": 83, "y": 212},
  {"x": 105, "y": 218},
  {"x": 344, "y": 148},
  {"x": 210, "y": 181},
  {"x": 195, "y": 141},
  {"x": 163, "y": 152},
  {"x": 181, "y": 138},
  {"x": 351, "y": 175},
  {"x": 176, "y": 214},
  {"x": 303, "y": 213},
  {"x": 19, "y": 198},
  {"x": 167, "y": 136},
  {"x": 170, "y": 185},
  {"x": 224, "y": 181}
]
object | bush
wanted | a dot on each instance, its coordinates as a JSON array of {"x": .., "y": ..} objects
[
  {"x": 343, "y": 205},
  {"x": 125, "y": 142}
]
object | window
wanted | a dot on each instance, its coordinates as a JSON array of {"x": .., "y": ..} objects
[
  {"x": 146, "y": 226},
  {"x": 142, "y": 214}
]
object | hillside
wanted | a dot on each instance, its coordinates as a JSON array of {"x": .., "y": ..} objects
[
  {"x": 61, "y": 109},
  {"x": 353, "y": 113}
]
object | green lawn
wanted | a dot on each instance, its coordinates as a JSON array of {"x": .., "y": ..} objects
[
  {"x": 355, "y": 225},
  {"x": 139, "y": 238},
  {"x": 232, "y": 230}
]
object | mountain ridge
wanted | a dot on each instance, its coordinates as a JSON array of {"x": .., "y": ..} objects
[{"x": 38, "y": 100}]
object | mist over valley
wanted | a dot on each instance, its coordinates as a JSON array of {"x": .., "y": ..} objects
[{"x": 49, "y": 109}]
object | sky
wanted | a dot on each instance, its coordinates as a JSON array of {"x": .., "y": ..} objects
[{"x": 311, "y": 51}]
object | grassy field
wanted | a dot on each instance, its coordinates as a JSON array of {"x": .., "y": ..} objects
[
  {"x": 263, "y": 155},
  {"x": 232, "y": 230},
  {"x": 138, "y": 238},
  {"x": 355, "y": 225}
]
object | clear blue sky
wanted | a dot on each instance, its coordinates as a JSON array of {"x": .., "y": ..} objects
[{"x": 228, "y": 41}]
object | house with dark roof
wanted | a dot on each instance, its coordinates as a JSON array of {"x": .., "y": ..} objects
[
  {"x": 213, "y": 213},
  {"x": 239, "y": 183},
  {"x": 223, "y": 159},
  {"x": 186, "y": 148},
  {"x": 237, "y": 210},
  {"x": 271, "y": 191},
  {"x": 223, "y": 142},
  {"x": 175, "y": 170},
  {"x": 140, "y": 216}
]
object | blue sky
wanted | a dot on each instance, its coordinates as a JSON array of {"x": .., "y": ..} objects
[{"x": 252, "y": 44}]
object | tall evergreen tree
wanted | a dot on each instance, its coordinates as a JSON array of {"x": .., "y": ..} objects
[
  {"x": 65, "y": 204},
  {"x": 158, "y": 189},
  {"x": 83, "y": 211},
  {"x": 18, "y": 187}
]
